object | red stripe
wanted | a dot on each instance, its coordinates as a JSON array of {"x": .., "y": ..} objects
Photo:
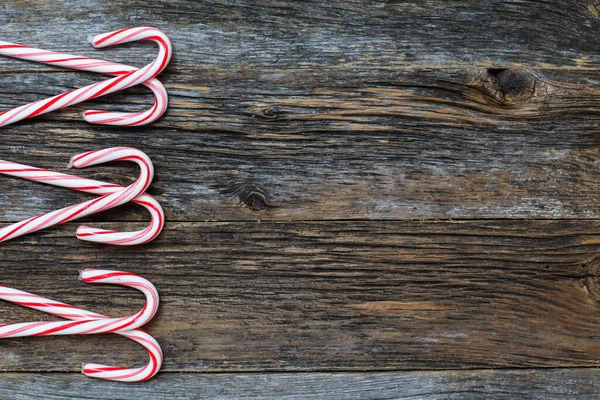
[
  {"x": 67, "y": 59},
  {"x": 48, "y": 104},
  {"x": 22, "y": 329},
  {"x": 79, "y": 157},
  {"x": 105, "y": 369},
  {"x": 60, "y": 328},
  {"x": 16, "y": 171},
  {"x": 13, "y": 46},
  {"x": 111, "y": 36},
  {"x": 96, "y": 233},
  {"x": 45, "y": 305},
  {"x": 147, "y": 116},
  {"x": 107, "y": 276},
  {"x": 19, "y": 226}
]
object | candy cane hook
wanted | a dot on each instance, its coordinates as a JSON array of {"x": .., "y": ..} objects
[
  {"x": 87, "y": 322},
  {"x": 101, "y": 88},
  {"x": 97, "y": 205},
  {"x": 103, "y": 67},
  {"x": 157, "y": 215},
  {"x": 90, "y": 326}
]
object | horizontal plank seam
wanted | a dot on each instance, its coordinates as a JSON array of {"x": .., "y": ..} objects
[
  {"x": 341, "y": 220},
  {"x": 325, "y": 371},
  {"x": 341, "y": 68}
]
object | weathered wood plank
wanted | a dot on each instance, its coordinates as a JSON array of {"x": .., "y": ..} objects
[
  {"x": 343, "y": 34},
  {"x": 328, "y": 296},
  {"x": 283, "y": 145},
  {"x": 301, "y": 140},
  {"x": 535, "y": 384},
  {"x": 331, "y": 111},
  {"x": 423, "y": 385}
]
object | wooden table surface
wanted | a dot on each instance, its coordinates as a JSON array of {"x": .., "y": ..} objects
[{"x": 365, "y": 199}]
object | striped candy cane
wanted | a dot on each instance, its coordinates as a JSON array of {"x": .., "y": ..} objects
[
  {"x": 102, "y": 88},
  {"x": 111, "y": 373},
  {"x": 99, "y": 66},
  {"x": 94, "y": 187},
  {"x": 97, "y": 205},
  {"x": 93, "y": 65},
  {"x": 88, "y": 326},
  {"x": 101, "y": 324}
]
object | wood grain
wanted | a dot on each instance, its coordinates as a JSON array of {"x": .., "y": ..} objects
[
  {"x": 328, "y": 296},
  {"x": 351, "y": 187},
  {"x": 267, "y": 123},
  {"x": 537, "y": 384},
  {"x": 352, "y": 145},
  {"x": 344, "y": 34}
]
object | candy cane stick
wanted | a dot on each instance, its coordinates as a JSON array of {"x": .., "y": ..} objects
[
  {"x": 94, "y": 187},
  {"x": 99, "y": 66},
  {"x": 76, "y": 314},
  {"x": 89, "y": 326},
  {"x": 101, "y": 88},
  {"x": 92, "y": 206}
]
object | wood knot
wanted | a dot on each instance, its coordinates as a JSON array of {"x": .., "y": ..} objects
[
  {"x": 253, "y": 197},
  {"x": 508, "y": 85},
  {"x": 270, "y": 113},
  {"x": 592, "y": 279},
  {"x": 267, "y": 113}
]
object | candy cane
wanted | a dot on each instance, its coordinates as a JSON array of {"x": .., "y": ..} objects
[
  {"x": 89, "y": 326},
  {"x": 110, "y": 373},
  {"x": 97, "y": 205},
  {"x": 94, "y": 187},
  {"x": 102, "y": 88},
  {"x": 84, "y": 318},
  {"x": 99, "y": 66}
]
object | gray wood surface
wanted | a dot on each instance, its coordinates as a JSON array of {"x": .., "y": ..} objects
[
  {"x": 548, "y": 384},
  {"x": 348, "y": 33},
  {"x": 350, "y": 186},
  {"x": 347, "y": 145},
  {"x": 367, "y": 295},
  {"x": 307, "y": 136}
]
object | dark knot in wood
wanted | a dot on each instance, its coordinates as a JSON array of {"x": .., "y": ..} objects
[
  {"x": 252, "y": 197},
  {"x": 255, "y": 202},
  {"x": 507, "y": 85},
  {"x": 270, "y": 113},
  {"x": 592, "y": 278}
]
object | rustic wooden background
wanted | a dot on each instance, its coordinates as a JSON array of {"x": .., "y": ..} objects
[{"x": 365, "y": 199}]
